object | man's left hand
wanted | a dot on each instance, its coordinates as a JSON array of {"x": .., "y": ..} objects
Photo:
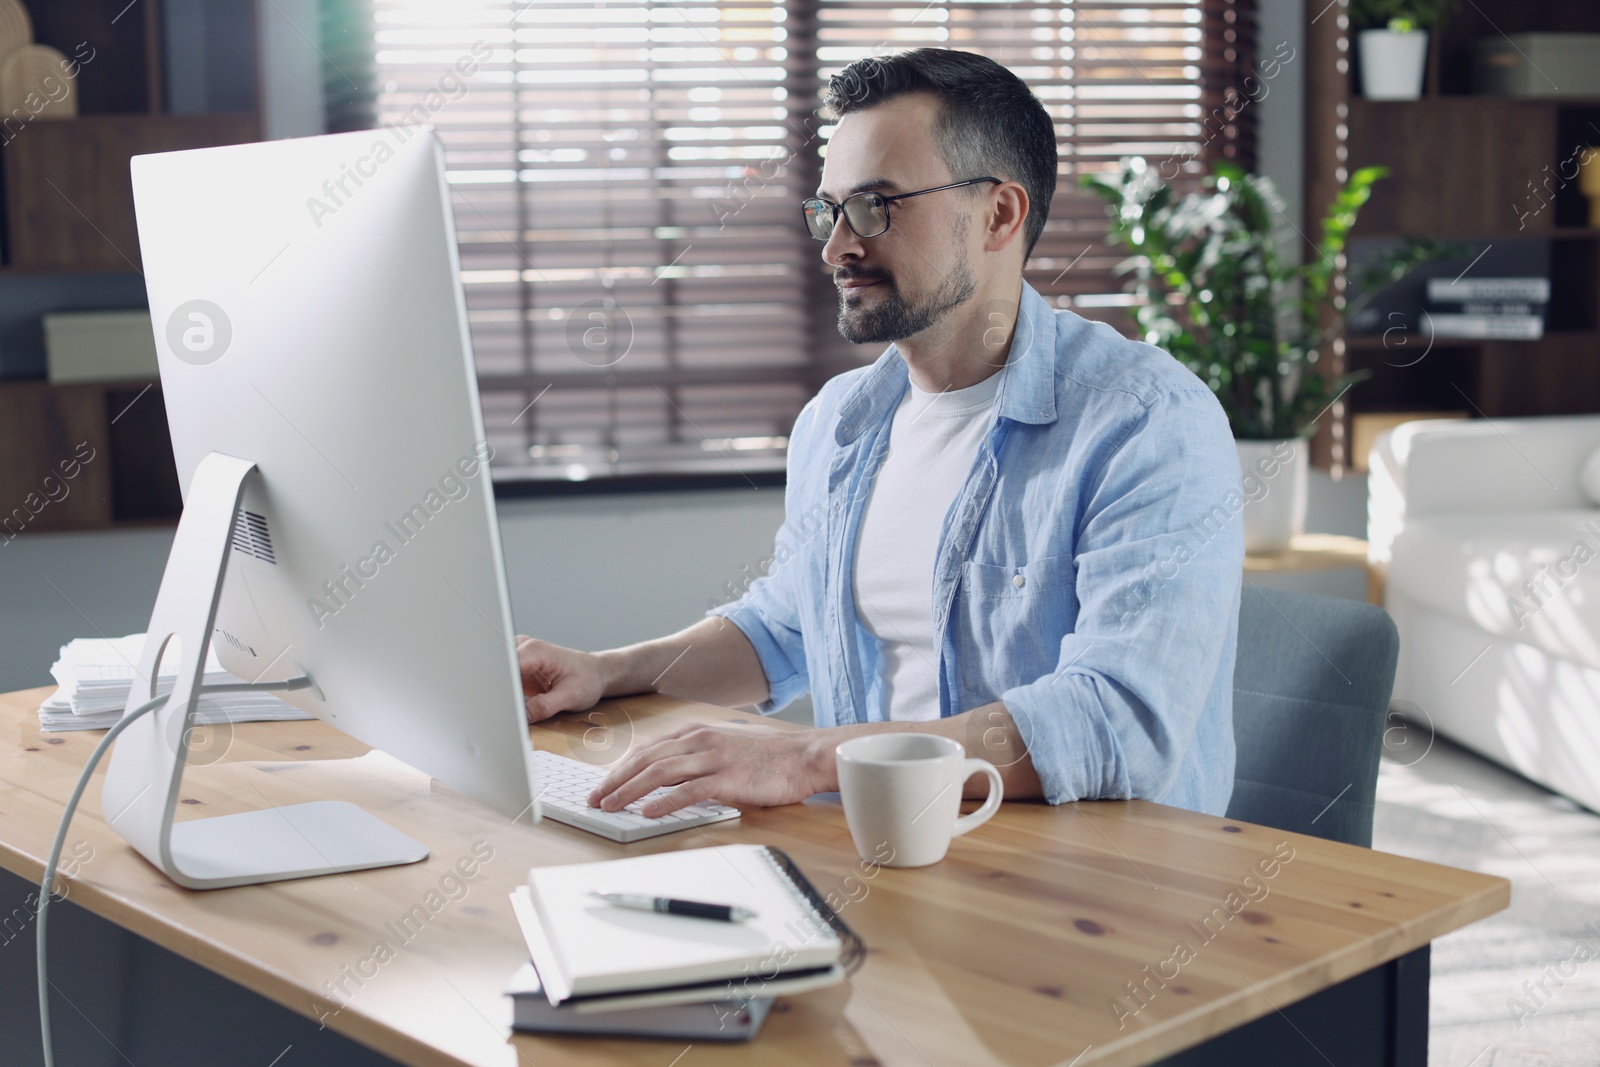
[{"x": 756, "y": 765}]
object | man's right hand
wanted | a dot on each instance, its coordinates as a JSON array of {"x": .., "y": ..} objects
[
  {"x": 556, "y": 679},
  {"x": 711, "y": 661}
]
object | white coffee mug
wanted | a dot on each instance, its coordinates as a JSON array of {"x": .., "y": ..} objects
[{"x": 902, "y": 795}]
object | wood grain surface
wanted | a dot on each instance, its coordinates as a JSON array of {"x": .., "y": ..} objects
[{"x": 1023, "y": 947}]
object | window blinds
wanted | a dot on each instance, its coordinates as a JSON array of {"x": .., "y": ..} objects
[{"x": 626, "y": 177}]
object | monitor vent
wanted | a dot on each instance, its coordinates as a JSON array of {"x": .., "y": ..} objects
[
  {"x": 251, "y": 537},
  {"x": 234, "y": 641}
]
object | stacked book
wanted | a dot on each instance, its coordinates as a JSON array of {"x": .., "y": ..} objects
[
  {"x": 1499, "y": 291},
  {"x": 603, "y": 969},
  {"x": 95, "y": 675},
  {"x": 1496, "y": 309}
]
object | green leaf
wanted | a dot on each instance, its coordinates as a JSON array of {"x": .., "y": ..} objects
[{"x": 1214, "y": 293}]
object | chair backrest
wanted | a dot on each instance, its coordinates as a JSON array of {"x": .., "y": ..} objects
[{"x": 1311, "y": 691}]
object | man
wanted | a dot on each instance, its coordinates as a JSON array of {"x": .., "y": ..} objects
[{"x": 1016, "y": 528}]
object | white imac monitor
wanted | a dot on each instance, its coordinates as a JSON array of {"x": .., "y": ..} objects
[{"x": 339, "y": 520}]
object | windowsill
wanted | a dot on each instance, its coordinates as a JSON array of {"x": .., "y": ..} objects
[{"x": 519, "y": 488}]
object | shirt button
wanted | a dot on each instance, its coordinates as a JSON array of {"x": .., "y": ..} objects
[{"x": 1019, "y": 581}]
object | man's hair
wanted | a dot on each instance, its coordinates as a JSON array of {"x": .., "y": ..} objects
[{"x": 989, "y": 123}]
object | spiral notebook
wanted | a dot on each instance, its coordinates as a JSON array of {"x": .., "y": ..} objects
[{"x": 597, "y": 956}]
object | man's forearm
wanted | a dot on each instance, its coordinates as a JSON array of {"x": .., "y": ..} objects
[
  {"x": 711, "y": 661},
  {"x": 988, "y": 732}
]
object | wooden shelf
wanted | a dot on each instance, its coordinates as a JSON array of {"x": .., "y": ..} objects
[
  {"x": 125, "y": 74},
  {"x": 1454, "y": 170},
  {"x": 1476, "y": 99},
  {"x": 1464, "y": 167},
  {"x": 1375, "y": 342},
  {"x": 84, "y": 456},
  {"x": 1453, "y": 50},
  {"x": 69, "y": 196},
  {"x": 68, "y": 200},
  {"x": 1554, "y": 233},
  {"x": 23, "y": 270}
]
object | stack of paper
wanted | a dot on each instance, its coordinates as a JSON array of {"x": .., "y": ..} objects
[{"x": 95, "y": 675}]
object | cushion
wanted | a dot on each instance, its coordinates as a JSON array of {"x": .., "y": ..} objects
[
  {"x": 1589, "y": 478},
  {"x": 1532, "y": 577}
]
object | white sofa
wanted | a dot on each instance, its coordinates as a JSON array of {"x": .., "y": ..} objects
[{"x": 1493, "y": 559}]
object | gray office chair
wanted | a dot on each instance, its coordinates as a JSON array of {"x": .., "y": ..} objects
[
  {"x": 1311, "y": 690},
  {"x": 1310, "y": 701}
]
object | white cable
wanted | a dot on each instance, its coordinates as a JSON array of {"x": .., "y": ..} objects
[{"x": 127, "y": 720}]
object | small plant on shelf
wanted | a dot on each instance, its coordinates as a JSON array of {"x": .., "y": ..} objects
[
  {"x": 1392, "y": 42},
  {"x": 1401, "y": 16}
]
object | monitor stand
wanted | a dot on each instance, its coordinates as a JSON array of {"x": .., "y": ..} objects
[{"x": 146, "y": 767}]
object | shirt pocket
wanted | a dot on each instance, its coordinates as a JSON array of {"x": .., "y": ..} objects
[{"x": 1008, "y": 623}]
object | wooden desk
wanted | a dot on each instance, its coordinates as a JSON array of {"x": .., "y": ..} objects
[
  {"x": 1320, "y": 552},
  {"x": 1010, "y": 951}
]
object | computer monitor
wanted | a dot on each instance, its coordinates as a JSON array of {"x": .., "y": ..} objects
[{"x": 339, "y": 519}]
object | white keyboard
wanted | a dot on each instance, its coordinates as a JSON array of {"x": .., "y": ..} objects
[{"x": 564, "y": 787}]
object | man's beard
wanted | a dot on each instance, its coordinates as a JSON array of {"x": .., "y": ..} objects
[{"x": 894, "y": 318}]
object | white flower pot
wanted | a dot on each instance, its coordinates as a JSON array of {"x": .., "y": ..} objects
[
  {"x": 1273, "y": 481},
  {"x": 1392, "y": 64}
]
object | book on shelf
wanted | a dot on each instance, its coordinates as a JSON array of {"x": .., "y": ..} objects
[
  {"x": 591, "y": 956},
  {"x": 1461, "y": 290},
  {"x": 1509, "y": 309},
  {"x": 1493, "y": 291},
  {"x": 1495, "y": 327},
  {"x": 1491, "y": 309}
]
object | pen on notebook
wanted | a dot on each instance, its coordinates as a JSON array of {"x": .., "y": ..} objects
[{"x": 693, "y": 908}]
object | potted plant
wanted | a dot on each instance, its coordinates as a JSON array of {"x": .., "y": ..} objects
[
  {"x": 1216, "y": 293},
  {"x": 1393, "y": 43}
]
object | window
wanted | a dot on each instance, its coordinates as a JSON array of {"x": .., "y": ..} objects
[{"x": 643, "y": 297}]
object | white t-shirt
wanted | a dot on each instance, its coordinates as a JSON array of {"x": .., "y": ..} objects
[{"x": 932, "y": 443}]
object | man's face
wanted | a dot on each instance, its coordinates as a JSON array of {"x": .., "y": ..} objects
[{"x": 908, "y": 278}]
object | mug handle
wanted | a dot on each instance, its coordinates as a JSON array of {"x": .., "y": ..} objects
[{"x": 990, "y": 806}]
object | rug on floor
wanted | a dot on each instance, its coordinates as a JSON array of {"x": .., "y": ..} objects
[{"x": 1521, "y": 988}]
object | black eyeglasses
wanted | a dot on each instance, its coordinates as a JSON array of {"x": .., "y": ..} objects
[{"x": 866, "y": 212}]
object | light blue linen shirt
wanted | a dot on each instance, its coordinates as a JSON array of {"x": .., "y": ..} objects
[{"x": 1087, "y": 575}]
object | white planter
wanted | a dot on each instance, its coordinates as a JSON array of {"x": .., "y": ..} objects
[
  {"x": 1392, "y": 64},
  {"x": 1273, "y": 481}
]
